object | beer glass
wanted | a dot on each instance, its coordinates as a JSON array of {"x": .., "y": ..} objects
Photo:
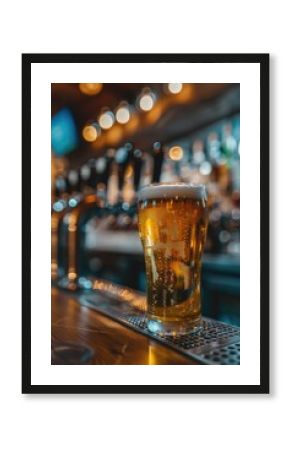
[{"x": 172, "y": 226}]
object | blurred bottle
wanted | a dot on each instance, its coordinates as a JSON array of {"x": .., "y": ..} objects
[
  {"x": 201, "y": 165},
  {"x": 229, "y": 144},
  {"x": 220, "y": 168},
  {"x": 213, "y": 149},
  {"x": 235, "y": 167}
]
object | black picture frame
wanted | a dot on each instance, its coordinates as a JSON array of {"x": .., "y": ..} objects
[{"x": 263, "y": 61}]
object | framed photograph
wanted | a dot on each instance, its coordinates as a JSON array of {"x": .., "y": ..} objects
[{"x": 145, "y": 228}]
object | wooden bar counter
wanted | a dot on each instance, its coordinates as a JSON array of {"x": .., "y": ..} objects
[{"x": 110, "y": 341}]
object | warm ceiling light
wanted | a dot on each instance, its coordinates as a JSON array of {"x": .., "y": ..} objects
[
  {"x": 123, "y": 114},
  {"x": 176, "y": 153},
  {"x": 175, "y": 88},
  {"x": 90, "y": 133},
  {"x": 146, "y": 100},
  {"x": 90, "y": 88},
  {"x": 106, "y": 120}
]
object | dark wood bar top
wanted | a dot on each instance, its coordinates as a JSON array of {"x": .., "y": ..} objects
[{"x": 110, "y": 341}]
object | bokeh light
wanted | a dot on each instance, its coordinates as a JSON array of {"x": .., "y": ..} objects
[
  {"x": 176, "y": 153},
  {"x": 106, "y": 120},
  {"x": 90, "y": 133},
  {"x": 90, "y": 88},
  {"x": 205, "y": 168},
  {"x": 123, "y": 113},
  {"x": 175, "y": 88},
  {"x": 146, "y": 100}
]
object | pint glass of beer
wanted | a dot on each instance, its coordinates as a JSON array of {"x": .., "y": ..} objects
[{"x": 172, "y": 226}]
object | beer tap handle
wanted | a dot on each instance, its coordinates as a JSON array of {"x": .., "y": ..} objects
[
  {"x": 121, "y": 176},
  {"x": 80, "y": 181},
  {"x": 137, "y": 166},
  {"x": 103, "y": 168},
  {"x": 107, "y": 168},
  {"x": 61, "y": 184},
  {"x": 85, "y": 172},
  {"x": 73, "y": 181},
  {"x": 158, "y": 156},
  {"x": 56, "y": 190},
  {"x": 93, "y": 178},
  {"x": 122, "y": 159},
  {"x": 68, "y": 184}
]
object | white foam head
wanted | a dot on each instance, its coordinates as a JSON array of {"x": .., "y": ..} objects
[{"x": 172, "y": 190}]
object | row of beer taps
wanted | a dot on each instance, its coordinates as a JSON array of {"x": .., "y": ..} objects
[{"x": 105, "y": 188}]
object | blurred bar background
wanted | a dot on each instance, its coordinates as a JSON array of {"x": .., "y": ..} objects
[{"x": 109, "y": 140}]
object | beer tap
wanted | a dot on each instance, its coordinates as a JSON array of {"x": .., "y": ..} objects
[
  {"x": 137, "y": 167},
  {"x": 129, "y": 218},
  {"x": 123, "y": 158},
  {"x": 56, "y": 191},
  {"x": 67, "y": 189},
  {"x": 58, "y": 206},
  {"x": 138, "y": 162},
  {"x": 92, "y": 203},
  {"x": 116, "y": 207},
  {"x": 103, "y": 169},
  {"x": 59, "y": 193},
  {"x": 158, "y": 157}
]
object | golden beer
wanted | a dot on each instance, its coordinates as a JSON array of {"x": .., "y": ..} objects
[{"x": 172, "y": 226}]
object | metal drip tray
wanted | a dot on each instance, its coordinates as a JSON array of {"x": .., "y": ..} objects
[{"x": 218, "y": 343}]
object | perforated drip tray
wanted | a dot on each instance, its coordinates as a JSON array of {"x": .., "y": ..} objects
[{"x": 218, "y": 343}]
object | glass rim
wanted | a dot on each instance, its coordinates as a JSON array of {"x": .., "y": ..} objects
[{"x": 174, "y": 189}]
